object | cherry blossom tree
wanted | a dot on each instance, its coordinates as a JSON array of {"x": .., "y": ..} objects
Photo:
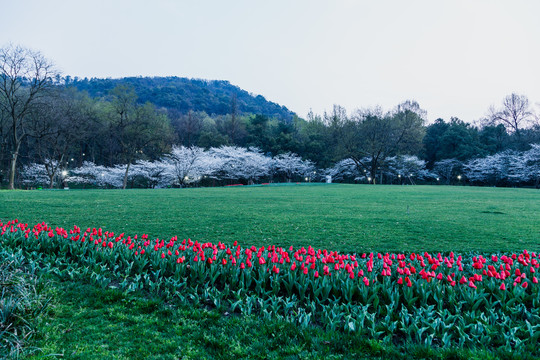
[
  {"x": 502, "y": 168},
  {"x": 343, "y": 170},
  {"x": 531, "y": 161},
  {"x": 446, "y": 169},
  {"x": 291, "y": 165},
  {"x": 156, "y": 173},
  {"x": 407, "y": 167},
  {"x": 98, "y": 175},
  {"x": 187, "y": 165},
  {"x": 34, "y": 175},
  {"x": 235, "y": 163}
]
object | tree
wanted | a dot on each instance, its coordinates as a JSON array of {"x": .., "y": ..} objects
[
  {"x": 154, "y": 172},
  {"x": 292, "y": 165},
  {"x": 531, "y": 160},
  {"x": 432, "y": 141},
  {"x": 188, "y": 165},
  {"x": 514, "y": 114},
  {"x": 407, "y": 167},
  {"x": 258, "y": 130},
  {"x": 460, "y": 141},
  {"x": 25, "y": 77},
  {"x": 370, "y": 137},
  {"x": 135, "y": 128},
  {"x": 237, "y": 163},
  {"x": 447, "y": 169},
  {"x": 343, "y": 170},
  {"x": 500, "y": 169},
  {"x": 102, "y": 176},
  {"x": 493, "y": 138},
  {"x": 35, "y": 174},
  {"x": 314, "y": 139},
  {"x": 189, "y": 126}
]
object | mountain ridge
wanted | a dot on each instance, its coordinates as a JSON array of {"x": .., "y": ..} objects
[{"x": 215, "y": 97}]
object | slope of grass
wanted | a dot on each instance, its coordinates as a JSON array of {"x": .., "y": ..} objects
[{"x": 339, "y": 217}]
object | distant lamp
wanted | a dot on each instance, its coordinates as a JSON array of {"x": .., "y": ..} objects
[
  {"x": 306, "y": 179},
  {"x": 369, "y": 179},
  {"x": 102, "y": 174},
  {"x": 64, "y": 173},
  {"x": 410, "y": 174},
  {"x": 438, "y": 179},
  {"x": 399, "y": 176},
  {"x": 459, "y": 177}
]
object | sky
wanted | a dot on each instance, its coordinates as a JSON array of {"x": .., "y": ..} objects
[{"x": 455, "y": 58}]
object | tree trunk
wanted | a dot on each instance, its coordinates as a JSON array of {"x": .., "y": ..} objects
[
  {"x": 126, "y": 175},
  {"x": 12, "y": 172}
]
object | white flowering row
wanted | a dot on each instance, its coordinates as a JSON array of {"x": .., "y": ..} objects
[
  {"x": 185, "y": 166},
  {"x": 181, "y": 167},
  {"x": 505, "y": 168}
]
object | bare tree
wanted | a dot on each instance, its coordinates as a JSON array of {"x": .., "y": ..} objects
[
  {"x": 514, "y": 114},
  {"x": 57, "y": 124},
  {"x": 25, "y": 76}
]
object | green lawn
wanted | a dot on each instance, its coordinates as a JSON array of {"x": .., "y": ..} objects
[{"x": 342, "y": 217}]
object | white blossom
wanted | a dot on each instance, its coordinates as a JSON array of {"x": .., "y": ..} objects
[
  {"x": 292, "y": 165},
  {"x": 235, "y": 163}
]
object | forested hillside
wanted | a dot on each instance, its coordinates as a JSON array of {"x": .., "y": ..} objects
[{"x": 214, "y": 97}]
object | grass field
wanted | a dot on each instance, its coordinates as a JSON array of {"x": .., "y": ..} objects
[
  {"x": 86, "y": 320},
  {"x": 338, "y": 217}
]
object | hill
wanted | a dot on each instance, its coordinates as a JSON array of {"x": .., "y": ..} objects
[{"x": 215, "y": 97}]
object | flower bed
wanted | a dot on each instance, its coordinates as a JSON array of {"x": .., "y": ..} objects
[{"x": 433, "y": 299}]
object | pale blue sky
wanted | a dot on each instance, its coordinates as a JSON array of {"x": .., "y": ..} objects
[{"x": 456, "y": 58}]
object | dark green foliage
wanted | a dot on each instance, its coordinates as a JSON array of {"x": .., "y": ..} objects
[
  {"x": 22, "y": 304},
  {"x": 183, "y": 94},
  {"x": 455, "y": 139}
]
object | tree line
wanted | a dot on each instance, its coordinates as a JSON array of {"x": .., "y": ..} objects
[{"x": 59, "y": 124}]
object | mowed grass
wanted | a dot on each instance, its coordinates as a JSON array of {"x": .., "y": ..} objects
[{"x": 353, "y": 218}]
